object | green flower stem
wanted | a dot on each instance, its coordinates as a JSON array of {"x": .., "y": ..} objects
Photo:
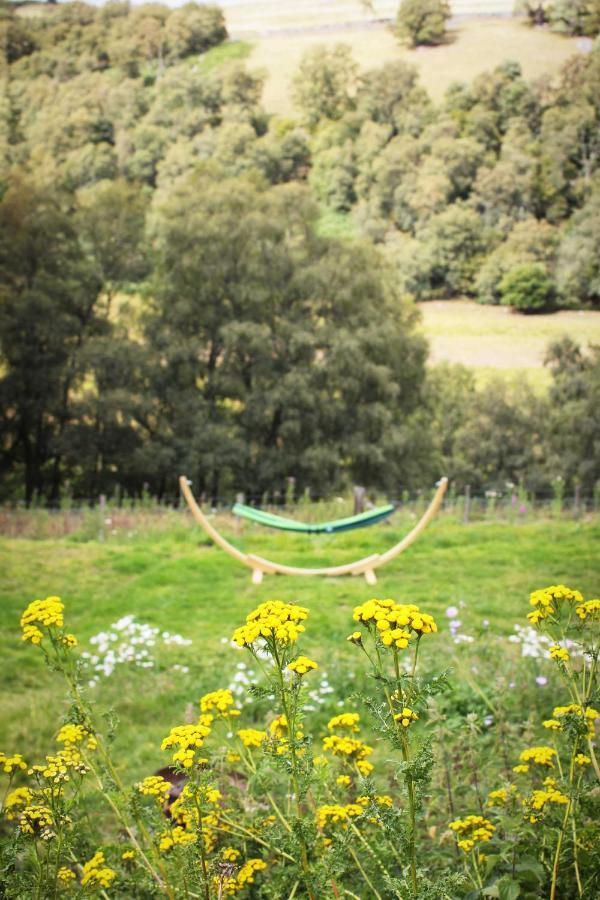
[
  {"x": 249, "y": 762},
  {"x": 364, "y": 874},
  {"x": 575, "y": 859},
  {"x": 127, "y": 828},
  {"x": 563, "y": 826},
  {"x": 294, "y": 889},
  {"x": 202, "y": 847},
  {"x": 410, "y": 788},
  {"x": 291, "y": 730},
  {"x": 369, "y": 850},
  {"x": 250, "y": 834},
  {"x": 162, "y": 879}
]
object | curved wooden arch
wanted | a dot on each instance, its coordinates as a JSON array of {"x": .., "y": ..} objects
[{"x": 365, "y": 566}]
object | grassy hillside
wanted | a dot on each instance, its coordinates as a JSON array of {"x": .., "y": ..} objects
[
  {"x": 176, "y": 581},
  {"x": 492, "y": 340},
  {"x": 475, "y": 46}
]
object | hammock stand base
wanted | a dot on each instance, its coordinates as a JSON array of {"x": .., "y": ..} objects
[{"x": 365, "y": 566}]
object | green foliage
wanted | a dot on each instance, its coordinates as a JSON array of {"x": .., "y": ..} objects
[
  {"x": 323, "y": 87},
  {"x": 422, "y": 21},
  {"x": 578, "y": 263},
  {"x": 527, "y": 287},
  {"x": 564, "y": 16}
]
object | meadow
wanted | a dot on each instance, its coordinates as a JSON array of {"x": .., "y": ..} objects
[
  {"x": 475, "y": 45},
  {"x": 494, "y": 341},
  {"x": 168, "y": 576}
]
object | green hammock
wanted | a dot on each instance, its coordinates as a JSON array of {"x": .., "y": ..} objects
[{"x": 273, "y": 521}]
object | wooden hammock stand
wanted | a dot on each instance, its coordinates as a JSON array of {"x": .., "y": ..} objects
[{"x": 365, "y": 566}]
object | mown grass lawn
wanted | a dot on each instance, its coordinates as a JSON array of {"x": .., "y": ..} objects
[
  {"x": 176, "y": 581},
  {"x": 494, "y": 340}
]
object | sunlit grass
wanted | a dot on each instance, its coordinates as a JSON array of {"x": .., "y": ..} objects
[{"x": 176, "y": 581}]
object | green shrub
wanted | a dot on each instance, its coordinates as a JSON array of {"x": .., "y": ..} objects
[
  {"x": 527, "y": 287},
  {"x": 423, "y": 21}
]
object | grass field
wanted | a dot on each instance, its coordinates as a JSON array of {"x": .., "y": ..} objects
[
  {"x": 475, "y": 46},
  {"x": 174, "y": 580},
  {"x": 494, "y": 341}
]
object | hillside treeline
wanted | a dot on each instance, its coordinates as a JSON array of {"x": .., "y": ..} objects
[
  {"x": 493, "y": 194},
  {"x": 169, "y": 302}
]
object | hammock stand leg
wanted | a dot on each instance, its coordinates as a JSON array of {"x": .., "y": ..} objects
[{"x": 365, "y": 566}]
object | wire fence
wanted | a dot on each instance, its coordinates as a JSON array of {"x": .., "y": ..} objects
[{"x": 102, "y": 518}]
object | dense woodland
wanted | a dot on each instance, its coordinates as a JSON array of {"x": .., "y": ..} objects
[{"x": 170, "y": 301}]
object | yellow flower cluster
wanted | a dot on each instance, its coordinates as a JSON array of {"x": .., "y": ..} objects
[
  {"x": 10, "y": 763},
  {"x": 155, "y": 786},
  {"x": 219, "y": 702},
  {"x": 68, "y": 640},
  {"x": 21, "y": 796},
  {"x": 542, "y": 756},
  {"x": 175, "y": 837},
  {"x": 394, "y": 623},
  {"x": 539, "y": 798},
  {"x": 346, "y": 746},
  {"x": 230, "y": 854},
  {"x": 65, "y": 876},
  {"x": 36, "y": 819},
  {"x": 128, "y": 854},
  {"x": 547, "y": 600},
  {"x": 343, "y": 780},
  {"x": 589, "y": 715},
  {"x": 251, "y": 737},
  {"x": 188, "y": 738},
  {"x": 406, "y": 717},
  {"x": 498, "y": 798},
  {"x": 559, "y": 653},
  {"x": 273, "y": 619},
  {"x": 380, "y": 800},
  {"x": 46, "y": 612},
  {"x": 582, "y": 760},
  {"x": 589, "y": 609},
  {"x": 76, "y": 734},
  {"x": 344, "y": 721},
  {"x": 302, "y": 665},
  {"x": 332, "y": 814},
  {"x": 96, "y": 873},
  {"x": 57, "y": 768},
  {"x": 349, "y": 749},
  {"x": 229, "y": 885},
  {"x": 472, "y": 830}
]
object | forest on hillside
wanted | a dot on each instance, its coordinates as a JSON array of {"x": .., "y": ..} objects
[{"x": 170, "y": 300}]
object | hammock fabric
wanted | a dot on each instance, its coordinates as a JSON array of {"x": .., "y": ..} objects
[{"x": 272, "y": 521}]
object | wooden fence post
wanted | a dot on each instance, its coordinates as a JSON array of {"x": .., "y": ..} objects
[
  {"x": 102, "y": 507},
  {"x": 467, "y": 507},
  {"x": 359, "y": 499}
]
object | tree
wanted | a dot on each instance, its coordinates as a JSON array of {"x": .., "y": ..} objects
[
  {"x": 578, "y": 263},
  {"x": 456, "y": 244},
  {"x": 423, "y": 21},
  {"x": 538, "y": 12},
  {"x": 501, "y": 437},
  {"x": 277, "y": 352},
  {"x": 48, "y": 311},
  {"x": 572, "y": 424},
  {"x": 576, "y": 17},
  {"x": 528, "y": 288},
  {"x": 325, "y": 84},
  {"x": 530, "y": 241}
]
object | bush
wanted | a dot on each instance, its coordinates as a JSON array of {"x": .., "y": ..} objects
[
  {"x": 423, "y": 21},
  {"x": 528, "y": 288}
]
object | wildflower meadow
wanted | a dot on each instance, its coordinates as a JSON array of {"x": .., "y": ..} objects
[{"x": 443, "y": 759}]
